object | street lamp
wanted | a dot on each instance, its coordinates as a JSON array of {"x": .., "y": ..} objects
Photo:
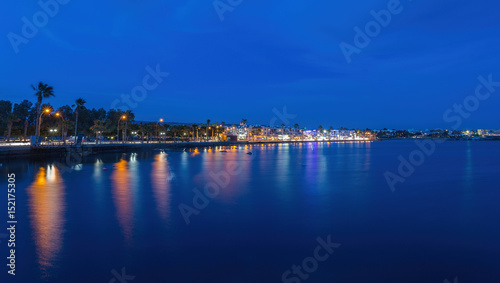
[
  {"x": 118, "y": 127},
  {"x": 53, "y": 131},
  {"x": 124, "y": 130},
  {"x": 62, "y": 125},
  {"x": 160, "y": 138},
  {"x": 45, "y": 111}
]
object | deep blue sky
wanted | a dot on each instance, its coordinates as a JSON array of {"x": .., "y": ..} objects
[{"x": 263, "y": 55}]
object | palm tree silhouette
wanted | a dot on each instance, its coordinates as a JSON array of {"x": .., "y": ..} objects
[
  {"x": 11, "y": 119},
  {"x": 206, "y": 129},
  {"x": 42, "y": 91},
  {"x": 98, "y": 128},
  {"x": 79, "y": 104}
]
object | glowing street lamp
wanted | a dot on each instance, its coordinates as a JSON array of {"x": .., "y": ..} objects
[
  {"x": 53, "y": 132},
  {"x": 45, "y": 111},
  {"x": 124, "y": 117},
  {"x": 118, "y": 127},
  {"x": 60, "y": 115}
]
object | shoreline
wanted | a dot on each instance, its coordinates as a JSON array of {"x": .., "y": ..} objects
[{"x": 15, "y": 152}]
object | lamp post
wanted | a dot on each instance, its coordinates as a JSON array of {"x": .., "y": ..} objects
[
  {"x": 62, "y": 126},
  {"x": 53, "y": 132},
  {"x": 45, "y": 111},
  {"x": 118, "y": 127},
  {"x": 160, "y": 138},
  {"x": 125, "y": 129}
]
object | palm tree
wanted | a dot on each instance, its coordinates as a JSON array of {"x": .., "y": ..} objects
[
  {"x": 141, "y": 128},
  {"x": 191, "y": 132},
  {"x": 26, "y": 123},
  {"x": 243, "y": 123},
  {"x": 206, "y": 129},
  {"x": 11, "y": 119},
  {"x": 214, "y": 129},
  {"x": 42, "y": 91},
  {"x": 79, "y": 104},
  {"x": 296, "y": 127},
  {"x": 187, "y": 131},
  {"x": 98, "y": 128},
  {"x": 167, "y": 129},
  {"x": 320, "y": 130},
  {"x": 160, "y": 130},
  {"x": 195, "y": 128},
  {"x": 128, "y": 116},
  {"x": 175, "y": 129},
  {"x": 65, "y": 124},
  {"x": 149, "y": 128}
]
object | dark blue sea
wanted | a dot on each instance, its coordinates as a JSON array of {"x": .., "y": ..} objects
[{"x": 309, "y": 212}]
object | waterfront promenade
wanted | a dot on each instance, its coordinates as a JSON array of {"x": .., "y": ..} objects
[{"x": 20, "y": 150}]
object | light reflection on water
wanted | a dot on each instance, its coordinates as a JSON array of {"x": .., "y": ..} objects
[
  {"x": 47, "y": 207},
  {"x": 160, "y": 180},
  {"x": 122, "y": 196}
]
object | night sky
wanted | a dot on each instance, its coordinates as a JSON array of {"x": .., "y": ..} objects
[{"x": 258, "y": 56}]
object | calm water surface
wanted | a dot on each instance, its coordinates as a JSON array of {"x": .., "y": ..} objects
[{"x": 85, "y": 224}]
